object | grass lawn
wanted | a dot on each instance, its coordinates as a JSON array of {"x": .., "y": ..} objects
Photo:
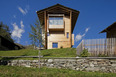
[
  {"x": 10, "y": 71},
  {"x": 65, "y": 52}
]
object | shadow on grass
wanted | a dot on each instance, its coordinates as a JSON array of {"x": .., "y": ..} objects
[
  {"x": 3, "y": 62},
  {"x": 47, "y": 54},
  {"x": 8, "y": 58}
]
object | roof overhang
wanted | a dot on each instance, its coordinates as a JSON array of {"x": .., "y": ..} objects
[{"x": 112, "y": 26}]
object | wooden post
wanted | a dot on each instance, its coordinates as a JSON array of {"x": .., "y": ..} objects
[
  {"x": 71, "y": 28},
  {"x": 39, "y": 58},
  {"x": 45, "y": 22},
  {"x": 115, "y": 47},
  {"x": 95, "y": 46},
  {"x": 105, "y": 46},
  {"x": 114, "y": 52}
]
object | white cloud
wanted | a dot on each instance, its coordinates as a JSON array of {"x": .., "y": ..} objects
[
  {"x": 17, "y": 32},
  {"x": 22, "y": 26},
  {"x": 23, "y": 11},
  {"x": 79, "y": 36},
  {"x": 86, "y": 30}
]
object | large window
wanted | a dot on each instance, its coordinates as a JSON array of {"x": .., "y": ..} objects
[
  {"x": 54, "y": 45},
  {"x": 55, "y": 20}
]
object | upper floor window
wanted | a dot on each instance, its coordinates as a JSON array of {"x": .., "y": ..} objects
[{"x": 55, "y": 20}]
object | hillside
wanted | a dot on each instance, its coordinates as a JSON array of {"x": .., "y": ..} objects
[{"x": 65, "y": 52}]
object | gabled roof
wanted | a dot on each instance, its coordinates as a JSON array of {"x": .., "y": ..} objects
[
  {"x": 58, "y": 7},
  {"x": 109, "y": 28}
]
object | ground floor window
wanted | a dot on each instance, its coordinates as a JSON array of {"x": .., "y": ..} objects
[{"x": 54, "y": 45}]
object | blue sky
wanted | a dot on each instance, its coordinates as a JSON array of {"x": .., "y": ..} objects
[{"x": 95, "y": 15}]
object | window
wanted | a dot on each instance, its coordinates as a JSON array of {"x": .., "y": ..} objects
[
  {"x": 47, "y": 34},
  {"x": 67, "y": 34},
  {"x": 54, "y": 45},
  {"x": 55, "y": 20}
]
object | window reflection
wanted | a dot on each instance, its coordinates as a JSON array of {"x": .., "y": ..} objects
[{"x": 55, "y": 20}]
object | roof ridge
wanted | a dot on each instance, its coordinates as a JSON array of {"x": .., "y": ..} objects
[{"x": 58, "y": 5}]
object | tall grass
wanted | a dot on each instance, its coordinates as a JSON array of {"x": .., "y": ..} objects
[
  {"x": 10, "y": 71},
  {"x": 64, "y": 52}
]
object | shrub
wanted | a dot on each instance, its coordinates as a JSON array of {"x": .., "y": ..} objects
[
  {"x": 84, "y": 53},
  {"x": 102, "y": 55}
]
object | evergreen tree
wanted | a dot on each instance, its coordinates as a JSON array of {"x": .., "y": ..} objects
[{"x": 5, "y": 32}]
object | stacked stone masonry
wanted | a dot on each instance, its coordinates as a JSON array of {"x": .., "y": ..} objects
[{"x": 102, "y": 65}]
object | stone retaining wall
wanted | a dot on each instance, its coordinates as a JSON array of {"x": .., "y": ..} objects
[{"x": 102, "y": 65}]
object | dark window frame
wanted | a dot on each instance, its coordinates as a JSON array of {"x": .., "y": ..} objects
[
  {"x": 54, "y": 45},
  {"x": 67, "y": 34}
]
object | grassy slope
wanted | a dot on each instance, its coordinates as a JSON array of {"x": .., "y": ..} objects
[
  {"x": 9, "y": 71},
  {"x": 65, "y": 52}
]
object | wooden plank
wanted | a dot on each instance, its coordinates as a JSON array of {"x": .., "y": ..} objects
[
  {"x": 101, "y": 46},
  {"x": 70, "y": 28},
  {"x": 94, "y": 44},
  {"x": 115, "y": 46},
  {"x": 45, "y": 21},
  {"x": 72, "y": 39}
]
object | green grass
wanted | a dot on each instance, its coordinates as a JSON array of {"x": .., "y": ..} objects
[
  {"x": 10, "y": 71},
  {"x": 65, "y": 52}
]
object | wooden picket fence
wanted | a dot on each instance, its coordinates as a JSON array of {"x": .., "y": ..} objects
[{"x": 97, "y": 47}]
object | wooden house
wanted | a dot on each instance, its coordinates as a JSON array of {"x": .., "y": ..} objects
[
  {"x": 58, "y": 22},
  {"x": 110, "y": 31}
]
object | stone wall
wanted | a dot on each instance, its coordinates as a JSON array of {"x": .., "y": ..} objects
[{"x": 84, "y": 64}]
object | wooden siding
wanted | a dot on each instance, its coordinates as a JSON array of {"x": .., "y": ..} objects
[
  {"x": 56, "y": 26},
  {"x": 72, "y": 39},
  {"x": 98, "y": 47},
  {"x": 111, "y": 34},
  {"x": 45, "y": 21},
  {"x": 70, "y": 33},
  {"x": 60, "y": 37}
]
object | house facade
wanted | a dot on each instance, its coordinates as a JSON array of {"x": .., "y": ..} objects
[{"x": 58, "y": 22}]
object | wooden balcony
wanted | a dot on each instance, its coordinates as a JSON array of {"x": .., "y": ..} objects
[{"x": 56, "y": 27}]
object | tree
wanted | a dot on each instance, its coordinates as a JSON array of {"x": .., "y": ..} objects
[
  {"x": 5, "y": 32},
  {"x": 36, "y": 34}
]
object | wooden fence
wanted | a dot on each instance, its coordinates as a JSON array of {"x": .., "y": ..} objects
[{"x": 97, "y": 47}]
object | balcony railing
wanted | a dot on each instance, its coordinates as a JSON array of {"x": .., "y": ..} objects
[{"x": 56, "y": 26}]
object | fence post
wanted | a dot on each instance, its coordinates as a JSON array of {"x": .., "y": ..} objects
[
  {"x": 82, "y": 45},
  {"x": 114, "y": 47},
  {"x": 39, "y": 58}
]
